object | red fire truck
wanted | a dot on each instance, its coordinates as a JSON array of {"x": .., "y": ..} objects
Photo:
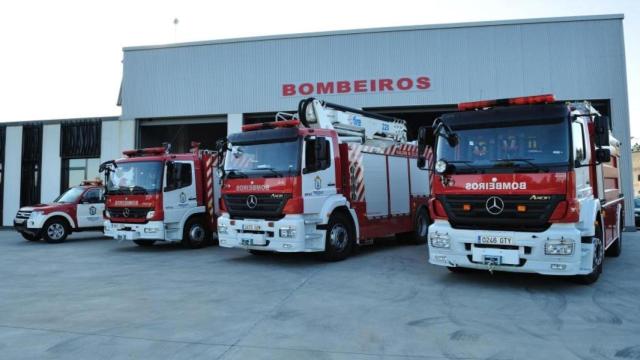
[
  {"x": 77, "y": 209},
  {"x": 154, "y": 195},
  {"x": 525, "y": 185},
  {"x": 324, "y": 180}
]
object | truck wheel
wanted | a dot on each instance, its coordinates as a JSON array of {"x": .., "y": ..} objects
[
  {"x": 598, "y": 258},
  {"x": 339, "y": 239},
  {"x": 144, "y": 243},
  {"x": 616, "y": 248},
  {"x": 55, "y": 231},
  {"x": 30, "y": 237},
  {"x": 195, "y": 234},
  {"x": 421, "y": 224}
]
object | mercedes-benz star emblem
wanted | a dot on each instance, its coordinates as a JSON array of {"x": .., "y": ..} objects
[
  {"x": 125, "y": 212},
  {"x": 252, "y": 201},
  {"x": 495, "y": 205}
]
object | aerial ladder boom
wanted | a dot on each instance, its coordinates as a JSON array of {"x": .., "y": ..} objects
[{"x": 351, "y": 124}]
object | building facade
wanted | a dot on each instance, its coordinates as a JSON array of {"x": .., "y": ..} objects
[{"x": 201, "y": 91}]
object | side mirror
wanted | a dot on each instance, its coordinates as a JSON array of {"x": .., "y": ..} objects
[
  {"x": 603, "y": 155},
  {"x": 422, "y": 146},
  {"x": 602, "y": 128}
]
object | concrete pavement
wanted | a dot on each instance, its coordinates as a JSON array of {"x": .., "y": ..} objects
[{"x": 96, "y": 298}]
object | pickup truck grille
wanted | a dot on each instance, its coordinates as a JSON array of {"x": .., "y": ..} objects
[
  {"x": 267, "y": 206},
  {"x": 128, "y": 213},
  {"x": 535, "y": 218},
  {"x": 23, "y": 214}
]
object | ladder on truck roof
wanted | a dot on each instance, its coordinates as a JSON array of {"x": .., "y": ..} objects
[{"x": 351, "y": 124}]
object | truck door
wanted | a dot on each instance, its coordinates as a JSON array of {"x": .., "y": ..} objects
[
  {"x": 318, "y": 173},
  {"x": 90, "y": 208},
  {"x": 179, "y": 192}
]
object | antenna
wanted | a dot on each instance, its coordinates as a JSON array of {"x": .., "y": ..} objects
[{"x": 176, "y": 21}]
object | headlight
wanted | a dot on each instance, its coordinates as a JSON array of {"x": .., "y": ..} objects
[
  {"x": 441, "y": 166},
  {"x": 222, "y": 229},
  {"x": 558, "y": 247},
  {"x": 439, "y": 240},
  {"x": 151, "y": 214},
  {"x": 287, "y": 232},
  {"x": 36, "y": 213},
  {"x": 150, "y": 230}
]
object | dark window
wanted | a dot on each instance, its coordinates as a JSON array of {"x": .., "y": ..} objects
[
  {"x": 93, "y": 196},
  {"x": 317, "y": 155},
  {"x": 80, "y": 151},
  {"x": 2, "y": 146},
  {"x": 31, "y": 164},
  {"x": 178, "y": 176}
]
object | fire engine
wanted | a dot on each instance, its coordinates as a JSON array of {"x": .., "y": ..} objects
[
  {"x": 524, "y": 185},
  {"x": 323, "y": 180},
  {"x": 77, "y": 209},
  {"x": 154, "y": 195}
]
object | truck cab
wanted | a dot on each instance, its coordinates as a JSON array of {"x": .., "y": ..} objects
[
  {"x": 80, "y": 208},
  {"x": 524, "y": 185},
  {"x": 154, "y": 195}
]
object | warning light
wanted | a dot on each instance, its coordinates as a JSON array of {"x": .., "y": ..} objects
[
  {"x": 521, "y": 208},
  {"x": 466, "y": 207}
]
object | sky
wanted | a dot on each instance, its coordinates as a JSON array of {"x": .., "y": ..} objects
[{"x": 62, "y": 59}]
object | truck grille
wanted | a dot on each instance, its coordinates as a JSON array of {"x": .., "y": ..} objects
[
  {"x": 128, "y": 213},
  {"x": 535, "y": 218},
  {"x": 23, "y": 214},
  {"x": 267, "y": 206}
]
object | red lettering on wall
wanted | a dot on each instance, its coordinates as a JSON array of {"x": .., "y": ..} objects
[
  {"x": 372, "y": 85},
  {"x": 404, "y": 83},
  {"x": 385, "y": 84},
  {"x": 360, "y": 85},
  {"x": 288, "y": 89},
  {"x": 423, "y": 83},
  {"x": 344, "y": 86},
  {"x": 325, "y": 88},
  {"x": 305, "y": 89}
]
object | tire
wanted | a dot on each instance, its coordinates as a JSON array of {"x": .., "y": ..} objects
[
  {"x": 55, "y": 231},
  {"x": 144, "y": 243},
  {"x": 30, "y": 237},
  {"x": 598, "y": 259},
  {"x": 195, "y": 234},
  {"x": 339, "y": 239},
  {"x": 421, "y": 224},
  {"x": 616, "y": 248}
]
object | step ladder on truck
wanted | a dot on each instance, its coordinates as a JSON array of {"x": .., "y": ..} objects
[
  {"x": 153, "y": 195},
  {"x": 325, "y": 180},
  {"x": 524, "y": 185}
]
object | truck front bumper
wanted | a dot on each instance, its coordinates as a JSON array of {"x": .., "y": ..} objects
[
  {"x": 293, "y": 233},
  {"x": 152, "y": 230},
  {"x": 525, "y": 254}
]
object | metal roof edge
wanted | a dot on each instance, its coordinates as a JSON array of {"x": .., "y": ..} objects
[
  {"x": 58, "y": 121},
  {"x": 381, "y": 30}
]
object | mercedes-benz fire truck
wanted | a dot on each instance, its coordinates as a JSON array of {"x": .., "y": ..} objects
[
  {"x": 325, "y": 180},
  {"x": 525, "y": 185},
  {"x": 155, "y": 195}
]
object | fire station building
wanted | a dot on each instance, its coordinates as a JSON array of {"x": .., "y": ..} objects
[{"x": 202, "y": 91}]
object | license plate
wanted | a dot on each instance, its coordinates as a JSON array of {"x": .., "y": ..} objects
[
  {"x": 495, "y": 240},
  {"x": 251, "y": 227}
]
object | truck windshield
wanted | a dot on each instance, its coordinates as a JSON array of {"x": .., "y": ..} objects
[
  {"x": 69, "y": 196},
  {"x": 273, "y": 159},
  {"x": 136, "y": 177},
  {"x": 523, "y": 148}
]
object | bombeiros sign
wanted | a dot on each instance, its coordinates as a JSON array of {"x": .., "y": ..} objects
[
  {"x": 357, "y": 86},
  {"x": 496, "y": 185}
]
